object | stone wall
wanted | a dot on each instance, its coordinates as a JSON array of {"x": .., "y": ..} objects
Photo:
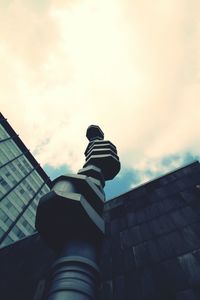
[{"x": 152, "y": 246}]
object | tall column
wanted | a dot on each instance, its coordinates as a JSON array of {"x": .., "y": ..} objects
[{"x": 69, "y": 218}]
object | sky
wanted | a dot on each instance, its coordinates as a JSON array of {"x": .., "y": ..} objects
[{"x": 132, "y": 67}]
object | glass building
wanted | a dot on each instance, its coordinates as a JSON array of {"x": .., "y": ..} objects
[{"x": 22, "y": 183}]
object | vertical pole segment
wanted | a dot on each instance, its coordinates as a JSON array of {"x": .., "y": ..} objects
[
  {"x": 69, "y": 218},
  {"x": 75, "y": 274}
]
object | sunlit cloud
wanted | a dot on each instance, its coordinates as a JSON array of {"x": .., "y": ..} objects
[{"x": 130, "y": 66}]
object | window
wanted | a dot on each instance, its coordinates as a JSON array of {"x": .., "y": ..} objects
[
  {"x": 34, "y": 205},
  {"x": 6, "y": 148},
  {"x": 10, "y": 179},
  {"x": 14, "y": 171},
  {"x": 26, "y": 163},
  {"x": 14, "y": 181},
  {"x": 19, "y": 202},
  {"x": 14, "y": 199},
  {"x": 22, "y": 191},
  {"x": 3, "y": 133},
  {"x": 3, "y": 157},
  {"x": 7, "y": 241},
  {"x": 1, "y": 232},
  {"x": 41, "y": 193},
  {"x": 13, "y": 147},
  {"x": 22, "y": 168},
  {"x": 29, "y": 228},
  {"x": 13, "y": 168},
  {"x": 46, "y": 189},
  {"x": 30, "y": 214},
  {"x": 5, "y": 218},
  {"x": 7, "y": 174},
  {"x": 18, "y": 232},
  {"x": 28, "y": 187},
  {"x": 4, "y": 184},
  {"x": 7, "y": 203},
  {"x": 24, "y": 222},
  {"x": 14, "y": 211},
  {"x": 37, "y": 178}
]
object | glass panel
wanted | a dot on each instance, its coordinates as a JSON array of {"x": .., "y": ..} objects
[
  {"x": 33, "y": 183},
  {"x": 3, "y": 158},
  {"x": 2, "y": 224},
  {"x": 29, "y": 189},
  {"x": 1, "y": 232},
  {"x": 8, "y": 176},
  {"x": 3, "y": 216},
  {"x": 20, "y": 202},
  {"x": 21, "y": 167},
  {"x": 26, "y": 225},
  {"x": 18, "y": 232},
  {"x": 46, "y": 189},
  {"x": 3, "y": 133},
  {"x": 21, "y": 227},
  {"x": 37, "y": 178},
  {"x": 34, "y": 205},
  {"x": 4, "y": 184},
  {"x": 7, "y": 211},
  {"x": 14, "y": 171},
  {"x": 7, "y": 241},
  {"x": 29, "y": 213},
  {"x": 13, "y": 236},
  {"x": 6, "y": 219},
  {"x": 13, "y": 198},
  {"x": 13, "y": 147},
  {"x": 1, "y": 193},
  {"x": 6, "y": 149},
  {"x": 24, "y": 161}
]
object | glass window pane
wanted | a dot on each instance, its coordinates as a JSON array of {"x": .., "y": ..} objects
[
  {"x": 1, "y": 232},
  {"x": 14, "y": 171},
  {"x": 24, "y": 161},
  {"x": 4, "y": 184},
  {"x": 6, "y": 149},
  {"x": 37, "y": 178},
  {"x": 18, "y": 232},
  {"x": 13, "y": 198},
  {"x": 3, "y": 158},
  {"x": 3, "y": 133},
  {"x": 13, "y": 147},
  {"x": 7, "y": 241}
]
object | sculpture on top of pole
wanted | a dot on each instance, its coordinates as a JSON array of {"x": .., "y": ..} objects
[{"x": 69, "y": 218}]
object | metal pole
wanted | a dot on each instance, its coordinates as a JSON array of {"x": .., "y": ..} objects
[
  {"x": 75, "y": 274},
  {"x": 69, "y": 218}
]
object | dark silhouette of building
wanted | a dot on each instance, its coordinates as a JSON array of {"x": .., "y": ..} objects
[
  {"x": 22, "y": 183},
  {"x": 151, "y": 248}
]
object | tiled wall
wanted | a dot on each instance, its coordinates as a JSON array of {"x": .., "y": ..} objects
[{"x": 152, "y": 245}]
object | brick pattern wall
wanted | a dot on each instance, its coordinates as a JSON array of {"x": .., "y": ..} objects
[{"x": 152, "y": 246}]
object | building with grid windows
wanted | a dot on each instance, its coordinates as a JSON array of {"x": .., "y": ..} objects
[{"x": 22, "y": 183}]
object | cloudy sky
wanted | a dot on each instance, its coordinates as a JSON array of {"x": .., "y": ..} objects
[{"x": 132, "y": 67}]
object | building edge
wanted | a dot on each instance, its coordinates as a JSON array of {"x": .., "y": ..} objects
[{"x": 24, "y": 149}]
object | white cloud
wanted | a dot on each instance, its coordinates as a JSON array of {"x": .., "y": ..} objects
[{"x": 129, "y": 66}]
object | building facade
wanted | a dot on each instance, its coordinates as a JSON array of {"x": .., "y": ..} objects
[
  {"x": 22, "y": 183},
  {"x": 151, "y": 248}
]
